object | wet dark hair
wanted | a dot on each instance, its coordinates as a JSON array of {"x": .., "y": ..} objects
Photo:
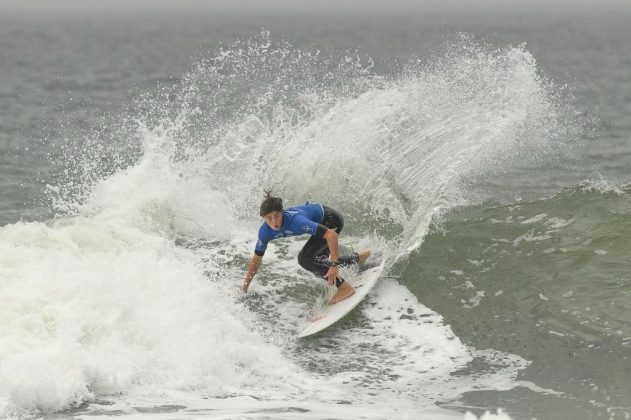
[{"x": 271, "y": 204}]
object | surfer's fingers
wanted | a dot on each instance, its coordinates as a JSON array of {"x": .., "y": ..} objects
[{"x": 330, "y": 279}]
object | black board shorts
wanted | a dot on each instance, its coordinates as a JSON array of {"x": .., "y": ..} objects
[{"x": 314, "y": 255}]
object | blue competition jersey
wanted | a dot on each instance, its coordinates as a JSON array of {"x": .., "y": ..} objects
[{"x": 296, "y": 221}]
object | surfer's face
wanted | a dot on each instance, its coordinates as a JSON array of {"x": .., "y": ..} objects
[{"x": 274, "y": 219}]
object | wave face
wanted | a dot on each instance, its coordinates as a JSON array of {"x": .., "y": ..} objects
[
  {"x": 129, "y": 297},
  {"x": 547, "y": 278}
]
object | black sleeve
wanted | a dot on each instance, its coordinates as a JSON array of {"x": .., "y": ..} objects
[
  {"x": 259, "y": 253},
  {"x": 320, "y": 231}
]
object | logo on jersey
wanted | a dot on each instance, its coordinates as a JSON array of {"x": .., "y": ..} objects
[{"x": 306, "y": 228}]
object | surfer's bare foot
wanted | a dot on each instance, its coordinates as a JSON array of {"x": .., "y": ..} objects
[
  {"x": 344, "y": 291},
  {"x": 363, "y": 256}
]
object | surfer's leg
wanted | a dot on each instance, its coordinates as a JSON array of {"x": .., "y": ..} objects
[
  {"x": 344, "y": 290},
  {"x": 363, "y": 256},
  {"x": 350, "y": 259},
  {"x": 334, "y": 220},
  {"x": 312, "y": 257}
]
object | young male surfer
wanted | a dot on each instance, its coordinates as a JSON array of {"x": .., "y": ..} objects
[{"x": 320, "y": 253}]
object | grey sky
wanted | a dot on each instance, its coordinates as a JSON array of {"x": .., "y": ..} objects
[{"x": 310, "y": 5}]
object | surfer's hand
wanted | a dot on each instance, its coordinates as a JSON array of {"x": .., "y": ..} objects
[
  {"x": 245, "y": 286},
  {"x": 331, "y": 275}
]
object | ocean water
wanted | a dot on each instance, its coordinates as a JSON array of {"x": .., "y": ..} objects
[{"x": 485, "y": 154}]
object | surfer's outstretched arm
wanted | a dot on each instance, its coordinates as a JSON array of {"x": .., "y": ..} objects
[{"x": 255, "y": 262}]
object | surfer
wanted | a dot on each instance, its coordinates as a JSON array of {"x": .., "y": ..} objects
[{"x": 320, "y": 253}]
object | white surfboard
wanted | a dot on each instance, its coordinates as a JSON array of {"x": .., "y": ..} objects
[{"x": 330, "y": 314}]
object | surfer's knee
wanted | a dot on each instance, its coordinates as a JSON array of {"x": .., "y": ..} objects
[
  {"x": 316, "y": 264},
  {"x": 303, "y": 260},
  {"x": 333, "y": 219}
]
